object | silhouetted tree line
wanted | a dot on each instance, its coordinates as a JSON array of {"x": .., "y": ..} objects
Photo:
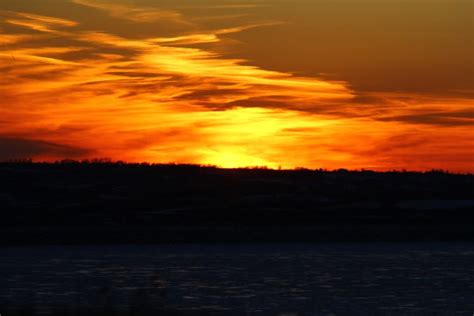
[{"x": 120, "y": 163}]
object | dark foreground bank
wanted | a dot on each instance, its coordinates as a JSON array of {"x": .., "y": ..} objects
[
  {"x": 100, "y": 202},
  {"x": 230, "y": 234}
]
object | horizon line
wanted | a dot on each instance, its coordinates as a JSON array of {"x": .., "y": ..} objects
[{"x": 108, "y": 161}]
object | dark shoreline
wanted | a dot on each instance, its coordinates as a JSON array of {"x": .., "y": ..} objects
[
  {"x": 118, "y": 203},
  {"x": 229, "y": 234}
]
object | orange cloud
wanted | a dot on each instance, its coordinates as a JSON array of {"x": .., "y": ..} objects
[
  {"x": 39, "y": 23},
  {"x": 48, "y": 20},
  {"x": 167, "y": 99},
  {"x": 132, "y": 13},
  {"x": 8, "y": 39}
]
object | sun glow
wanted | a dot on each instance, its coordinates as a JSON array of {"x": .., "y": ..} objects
[{"x": 79, "y": 91}]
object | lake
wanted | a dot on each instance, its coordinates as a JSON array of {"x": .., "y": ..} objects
[{"x": 246, "y": 279}]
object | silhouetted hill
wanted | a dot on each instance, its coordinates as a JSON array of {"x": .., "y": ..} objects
[{"x": 117, "y": 202}]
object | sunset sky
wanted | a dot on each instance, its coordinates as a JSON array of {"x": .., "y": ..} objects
[{"x": 280, "y": 83}]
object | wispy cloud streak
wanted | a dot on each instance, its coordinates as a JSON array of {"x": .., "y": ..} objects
[
  {"x": 134, "y": 14},
  {"x": 172, "y": 99}
]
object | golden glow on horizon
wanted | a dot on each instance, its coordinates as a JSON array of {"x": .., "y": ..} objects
[{"x": 82, "y": 92}]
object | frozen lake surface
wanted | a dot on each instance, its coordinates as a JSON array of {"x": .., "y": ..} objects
[{"x": 258, "y": 279}]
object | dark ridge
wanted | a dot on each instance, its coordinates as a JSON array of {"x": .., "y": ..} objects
[{"x": 100, "y": 201}]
